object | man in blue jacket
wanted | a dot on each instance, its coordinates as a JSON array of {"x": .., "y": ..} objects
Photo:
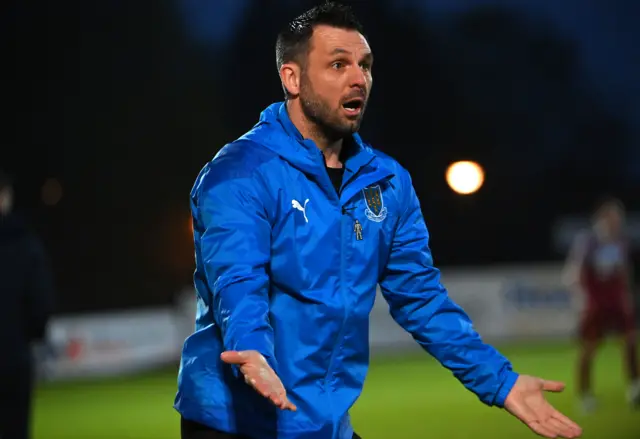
[{"x": 295, "y": 224}]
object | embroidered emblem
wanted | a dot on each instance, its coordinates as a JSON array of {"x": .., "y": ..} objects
[{"x": 376, "y": 210}]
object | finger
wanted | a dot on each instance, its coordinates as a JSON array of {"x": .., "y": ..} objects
[
  {"x": 279, "y": 397},
  {"x": 567, "y": 422},
  {"x": 541, "y": 429},
  {"x": 289, "y": 406},
  {"x": 532, "y": 418},
  {"x": 552, "y": 386},
  {"x": 262, "y": 387},
  {"x": 282, "y": 402},
  {"x": 524, "y": 413},
  {"x": 266, "y": 382},
  {"x": 286, "y": 403},
  {"x": 560, "y": 429},
  {"x": 234, "y": 357}
]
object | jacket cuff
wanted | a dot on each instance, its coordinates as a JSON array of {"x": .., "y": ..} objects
[{"x": 505, "y": 388}]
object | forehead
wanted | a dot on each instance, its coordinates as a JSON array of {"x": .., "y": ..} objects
[{"x": 327, "y": 41}]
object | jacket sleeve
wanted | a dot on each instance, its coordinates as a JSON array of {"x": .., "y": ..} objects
[
  {"x": 420, "y": 304},
  {"x": 235, "y": 247},
  {"x": 39, "y": 292}
]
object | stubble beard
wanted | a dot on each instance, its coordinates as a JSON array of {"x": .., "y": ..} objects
[{"x": 320, "y": 113}]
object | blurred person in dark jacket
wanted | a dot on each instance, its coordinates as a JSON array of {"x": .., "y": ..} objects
[{"x": 26, "y": 299}]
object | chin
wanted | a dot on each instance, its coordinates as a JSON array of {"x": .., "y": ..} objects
[
  {"x": 354, "y": 126},
  {"x": 343, "y": 128},
  {"x": 348, "y": 129}
]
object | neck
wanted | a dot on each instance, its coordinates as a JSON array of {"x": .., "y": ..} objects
[{"x": 331, "y": 148}]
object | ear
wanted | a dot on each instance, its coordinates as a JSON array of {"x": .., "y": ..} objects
[{"x": 290, "y": 76}]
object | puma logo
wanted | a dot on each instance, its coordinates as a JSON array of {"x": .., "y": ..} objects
[{"x": 296, "y": 205}]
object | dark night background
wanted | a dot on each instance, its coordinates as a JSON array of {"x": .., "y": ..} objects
[{"x": 122, "y": 103}]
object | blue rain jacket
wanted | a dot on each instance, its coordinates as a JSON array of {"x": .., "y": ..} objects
[{"x": 287, "y": 267}]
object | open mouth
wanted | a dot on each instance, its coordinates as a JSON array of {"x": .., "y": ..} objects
[{"x": 353, "y": 107}]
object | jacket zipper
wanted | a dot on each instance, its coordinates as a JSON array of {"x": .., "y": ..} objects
[
  {"x": 338, "y": 342},
  {"x": 344, "y": 216},
  {"x": 343, "y": 213},
  {"x": 329, "y": 185}
]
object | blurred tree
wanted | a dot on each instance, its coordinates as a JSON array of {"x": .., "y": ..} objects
[
  {"x": 526, "y": 95},
  {"x": 249, "y": 91},
  {"x": 518, "y": 85},
  {"x": 212, "y": 24},
  {"x": 124, "y": 114}
]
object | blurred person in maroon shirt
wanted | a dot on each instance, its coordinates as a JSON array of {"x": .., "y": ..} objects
[
  {"x": 26, "y": 301},
  {"x": 598, "y": 267}
]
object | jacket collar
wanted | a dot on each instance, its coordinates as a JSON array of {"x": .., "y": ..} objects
[{"x": 359, "y": 155}]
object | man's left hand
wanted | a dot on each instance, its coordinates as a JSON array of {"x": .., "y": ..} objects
[{"x": 526, "y": 402}]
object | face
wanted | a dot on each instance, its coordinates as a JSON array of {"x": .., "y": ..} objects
[
  {"x": 336, "y": 80},
  {"x": 611, "y": 219}
]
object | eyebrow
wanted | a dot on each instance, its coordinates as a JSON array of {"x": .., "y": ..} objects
[{"x": 339, "y": 51}]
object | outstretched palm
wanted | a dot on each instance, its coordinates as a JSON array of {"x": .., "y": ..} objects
[
  {"x": 526, "y": 402},
  {"x": 259, "y": 375}
]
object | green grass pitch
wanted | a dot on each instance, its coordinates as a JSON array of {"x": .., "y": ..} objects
[{"x": 406, "y": 398}]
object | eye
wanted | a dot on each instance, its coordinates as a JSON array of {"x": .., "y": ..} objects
[
  {"x": 366, "y": 66},
  {"x": 337, "y": 65}
]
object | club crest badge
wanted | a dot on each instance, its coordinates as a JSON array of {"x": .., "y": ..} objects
[{"x": 376, "y": 210}]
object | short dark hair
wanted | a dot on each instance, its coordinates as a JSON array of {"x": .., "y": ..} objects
[
  {"x": 293, "y": 41},
  {"x": 5, "y": 181}
]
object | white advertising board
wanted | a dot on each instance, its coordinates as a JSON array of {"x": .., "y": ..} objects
[
  {"x": 504, "y": 303},
  {"x": 109, "y": 344}
]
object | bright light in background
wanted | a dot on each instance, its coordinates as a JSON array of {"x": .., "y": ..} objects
[
  {"x": 465, "y": 177},
  {"x": 51, "y": 192}
]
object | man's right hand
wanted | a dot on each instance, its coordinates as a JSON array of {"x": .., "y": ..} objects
[{"x": 258, "y": 374}]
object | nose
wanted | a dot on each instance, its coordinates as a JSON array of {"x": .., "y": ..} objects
[{"x": 358, "y": 78}]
